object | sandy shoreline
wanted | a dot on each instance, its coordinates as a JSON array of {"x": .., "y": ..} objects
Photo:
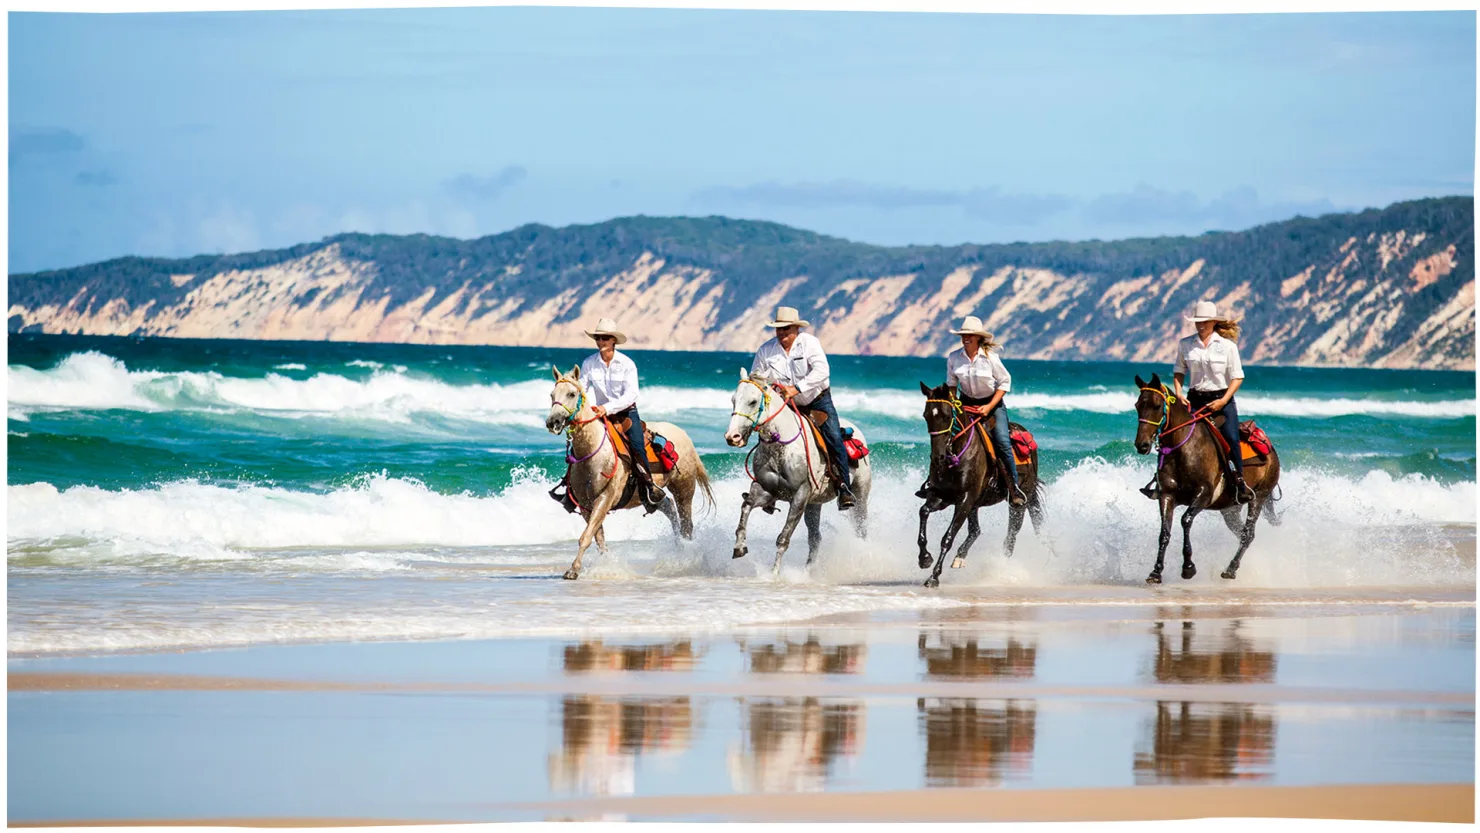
[{"x": 1453, "y": 803}]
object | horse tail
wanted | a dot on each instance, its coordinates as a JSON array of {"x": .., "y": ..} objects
[{"x": 701, "y": 477}]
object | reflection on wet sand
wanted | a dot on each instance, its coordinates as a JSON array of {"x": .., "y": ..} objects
[
  {"x": 950, "y": 655},
  {"x": 786, "y": 656},
  {"x": 594, "y": 655},
  {"x": 971, "y": 742},
  {"x": 1207, "y": 741},
  {"x": 793, "y": 744},
  {"x": 601, "y": 737}
]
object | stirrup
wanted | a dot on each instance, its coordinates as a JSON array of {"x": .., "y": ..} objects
[
  {"x": 1015, "y": 495},
  {"x": 845, "y": 499},
  {"x": 564, "y": 498},
  {"x": 1151, "y": 490}
]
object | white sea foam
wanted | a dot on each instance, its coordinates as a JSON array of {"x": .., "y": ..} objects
[
  {"x": 290, "y": 366},
  {"x": 93, "y": 381}
]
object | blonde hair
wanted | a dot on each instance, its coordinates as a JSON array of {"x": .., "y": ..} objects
[
  {"x": 1227, "y": 329},
  {"x": 991, "y": 345}
]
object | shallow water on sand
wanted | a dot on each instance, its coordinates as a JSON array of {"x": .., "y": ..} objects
[{"x": 1045, "y": 697}]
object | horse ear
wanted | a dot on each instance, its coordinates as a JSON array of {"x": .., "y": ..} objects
[
  {"x": 1140, "y": 383},
  {"x": 744, "y": 375},
  {"x": 575, "y": 371},
  {"x": 1155, "y": 380},
  {"x": 925, "y": 390}
]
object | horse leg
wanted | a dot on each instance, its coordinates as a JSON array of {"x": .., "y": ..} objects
[
  {"x": 1167, "y": 508},
  {"x": 1246, "y": 535},
  {"x": 1188, "y": 569},
  {"x": 929, "y": 507},
  {"x": 594, "y": 518},
  {"x": 946, "y": 540},
  {"x": 748, "y": 501},
  {"x": 1014, "y": 525},
  {"x": 813, "y": 517},
  {"x": 794, "y": 512},
  {"x": 860, "y": 514},
  {"x": 669, "y": 508},
  {"x": 1232, "y": 519},
  {"x": 973, "y": 529},
  {"x": 601, "y": 538}
]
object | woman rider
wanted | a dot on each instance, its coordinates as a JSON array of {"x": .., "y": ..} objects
[
  {"x": 1209, "y": 360},
  {"x": 975, "y": 373}
]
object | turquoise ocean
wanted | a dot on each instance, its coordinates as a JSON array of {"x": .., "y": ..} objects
[{"x": 169, "y": 493}]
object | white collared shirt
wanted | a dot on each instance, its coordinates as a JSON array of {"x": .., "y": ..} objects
[
  {"x": 1208, "y": 367},
  {"x": 613, "y": 386},
  {"x": 977, "y": 378},
  {"x": 804, "y": 368}
]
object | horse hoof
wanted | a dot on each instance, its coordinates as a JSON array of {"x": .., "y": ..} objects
[
  {"x": 740, "y": 552},
  {"x": 958, "y": 563},
  {"x": 1230, "y": 575},
  {"x": 571, "y": 575},
  {"x": 1154, "y": 578},
  {"x": 932, "y": 582},
  {"x": 925, "y": 561},
  {"x": 1189, "y": 571}
]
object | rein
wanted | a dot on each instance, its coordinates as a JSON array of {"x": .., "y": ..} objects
[
  {"x": 570, "y": 430},
  {"x": 1162, "y": 449},
  {"x": 760, "y": 436},
  {"x": 956, "y": 410}
]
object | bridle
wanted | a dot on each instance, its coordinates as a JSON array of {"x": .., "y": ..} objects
[
  {"x": 957, "y": 408},
  {"x": 756, "y": 423},
  {"x": 1163, "y": 450}
]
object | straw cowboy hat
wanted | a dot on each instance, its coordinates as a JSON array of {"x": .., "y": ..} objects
[
  {"x": 607, "y": 327},
  {"x": 972, "y": 326},
  {"x": 787, "y": 317},
  {"x": 1206, "y": 311}
]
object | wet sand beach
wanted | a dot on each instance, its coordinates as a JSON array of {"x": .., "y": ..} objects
[{"x": 1362, "y": 709}]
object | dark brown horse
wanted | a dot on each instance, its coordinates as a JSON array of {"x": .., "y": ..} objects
[
  {"x": 964, "y": 475},
  {"x": 1190, "y": 472}
]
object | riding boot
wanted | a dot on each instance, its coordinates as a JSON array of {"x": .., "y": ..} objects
[
  {"x": 648, "y": 491},
  {"x": 923, "y": 491},
  {"x": 1244, "y": 494},
  {"x": 1152, "y": 489},
  {"x": 564, "y": 498},
  {"x": 845, "y": 498}
]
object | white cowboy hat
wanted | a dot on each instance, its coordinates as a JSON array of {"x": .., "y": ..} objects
[
  {"x": 787, "y": 317},
  {"x": 1206, "y": 311},
  {"x": 972, "y": 326},
  {"x": 607, "y": 327}
]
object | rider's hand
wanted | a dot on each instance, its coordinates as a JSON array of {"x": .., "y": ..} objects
[
  {"x": 1183, "y": 400},
  {"x": 1219, "y": 404},
  {"x": 789, "y": 391},
  {"x": 598, "y": 410}
]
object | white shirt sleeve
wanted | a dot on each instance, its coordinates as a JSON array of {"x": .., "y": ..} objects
[
  {"x": 626, "y": 370},
  {"x": 999, "y": 373},
  {"x": 586, "y": 368},
  {"x": 818, "y": 372},
  {"x": 952, "y": 365},
  {"x": 1179, "y": 364},
  {"x": 1235, "y": 364},
  {"x": 760, "y": 363}
]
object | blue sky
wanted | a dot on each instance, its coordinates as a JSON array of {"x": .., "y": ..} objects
[{"x": 178, "y": 134}]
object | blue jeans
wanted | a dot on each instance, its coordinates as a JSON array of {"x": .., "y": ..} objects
[
  {"x": 1000, "y": 437},
  {"x": 634, "y": 438},
  {"x": 832, "y": 432},
  {"x": 1200, "y": 398}
]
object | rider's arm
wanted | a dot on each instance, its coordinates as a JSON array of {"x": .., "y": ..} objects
[
  {"x": 1233, "y": 386},
  {"x": 1179, "y": 372},
  {"x": 1177, "y": 385},
  {"x": 629, "y": 388},
  {"x": 818, "y": 371}
]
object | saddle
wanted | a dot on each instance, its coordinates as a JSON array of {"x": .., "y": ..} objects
[
  {"x": 1254, "y": 444},
  {"x": 660, "y": 452},
  {"x": 853, "y": 447},
  {"x": 1020, "y": 438}
]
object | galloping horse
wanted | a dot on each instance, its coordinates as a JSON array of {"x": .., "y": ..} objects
[
  {"x": 1190, "y": 473},
  {"x": 968, "y": 479},
  {"x": 789, "y": 465},
  {"x": 598, "y": 474}
]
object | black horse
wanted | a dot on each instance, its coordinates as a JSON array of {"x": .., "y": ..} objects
[{"x": 965, "y": 475}]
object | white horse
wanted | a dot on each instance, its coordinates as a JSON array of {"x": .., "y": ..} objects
[
  {"x": 789, "y": 465},
  {"x": 598, "y": 474}
]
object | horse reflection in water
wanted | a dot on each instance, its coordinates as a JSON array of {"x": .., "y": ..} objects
[
  {"x": 785, "y": 656},
  {"x": 972, "y": 742},
  {"x": 601, "y": 737},
  {"x": 794, "y": 744},
  {"x": 1192, "y": 742}
]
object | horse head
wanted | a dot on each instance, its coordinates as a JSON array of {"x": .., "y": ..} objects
[
  {"x": 1151, "y": 410},
  {"x": 940, "y": 413},
  {"x": 749, "y": 405},
  {"x": 567, "y": 399}
]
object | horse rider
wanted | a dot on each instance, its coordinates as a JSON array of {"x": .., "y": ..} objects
[
  {"x": 794, "y": 361},
  {"x": 1209, "y": 360},
  {"x": 610, "y": 380},
  {"x": 975, "y": 373}
]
